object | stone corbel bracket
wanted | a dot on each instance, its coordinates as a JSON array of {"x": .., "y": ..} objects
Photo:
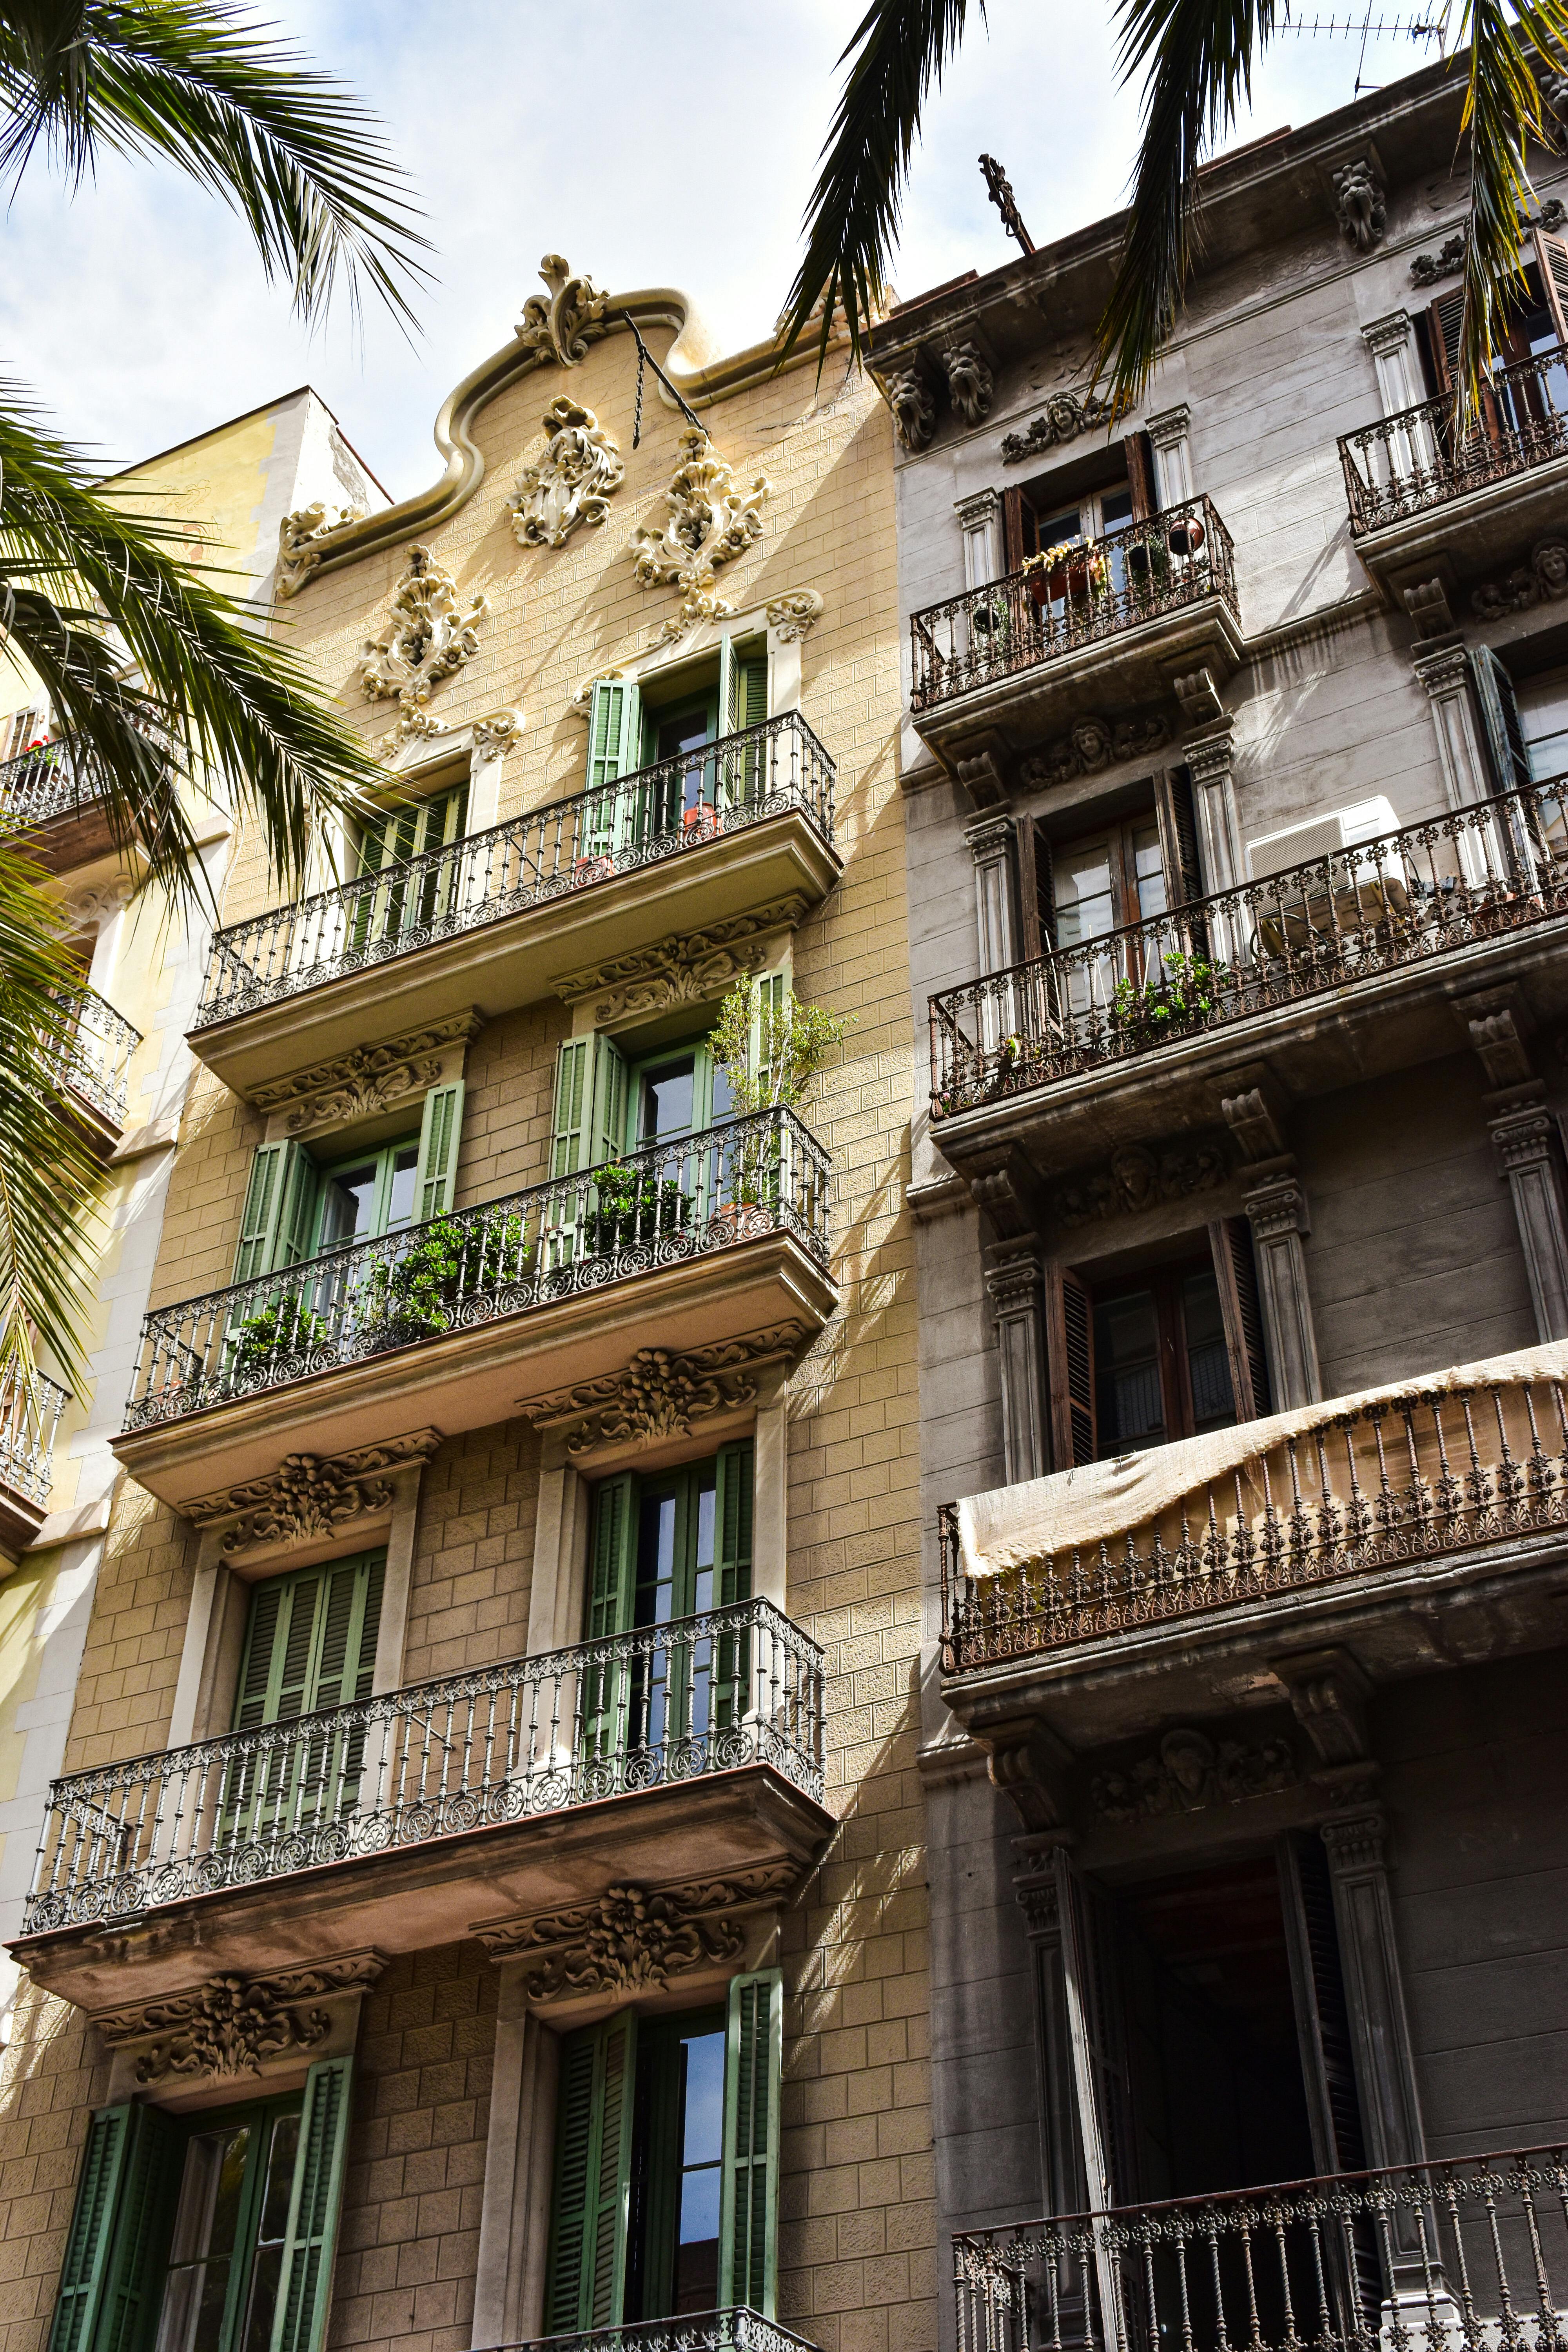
[
  {"x": 368, "y": 1079},
  {"x": 631, "y": 1940},
  {"x": 231, "y": 2027},
  {"x": 311, "y": 1498}
]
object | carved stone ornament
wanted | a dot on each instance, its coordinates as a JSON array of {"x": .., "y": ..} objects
[
  {"x": 582, "y": 696},
  {"x": 913, "y": 404},
  {"x": 1543, "y": 580},
  {"x": 228, "y": 2025},
  {"x": 499, "y": 733},
  {"x": 367, "y": 1079},
  {"x": 661, "y": 1395},
  {"x": 1188, "y": 1772},
  {"x": 1554, "y": 90},
  {"x": 681, "y": 971},
  {"x": 632, "y": 1941},
  {"x": 1359, "y": 203},
  {"x": 297, "y": 554},
  {"x": 970, "y": 383},
  {"x": 1447, "y": 262},
  {"x": 711, "y": 519},
  {"x": 430, "y": 634},
  {"x": 1137, "y": 1179},
  {"x": 1197, "y": 697},
  {"x": 1092, "y": 745},
  {"x": 795, "y": 615},
  {"x": 561, "y": 328},
  {"x": 309, "y": 1495},
  {"x": 1066, "y": 415},
  {"x": 573, "y": 482}
]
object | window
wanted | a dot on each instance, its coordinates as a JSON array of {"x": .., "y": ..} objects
[
  {"x": 673, "y": 1094},
  {"x": 310, "y": 1644},
  {"x": 208, "y": 2233},
  {"x": 635, "y": 726},
  {"x": 665, "y": 2188},
  {"x": 295, "y": 1208},
  {"x": 371, "y": 1193},
  {"x": 387, "y": 844},
  {"x": 1108, "y": 879}
]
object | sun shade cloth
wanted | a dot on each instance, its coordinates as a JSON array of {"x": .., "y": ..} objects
[{"x": 1076, "y": 1510}]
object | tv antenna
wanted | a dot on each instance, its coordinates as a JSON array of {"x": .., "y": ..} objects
[{"x": 1395, "y": 27}]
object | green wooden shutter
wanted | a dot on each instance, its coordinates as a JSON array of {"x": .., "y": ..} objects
[
  {"x": 440, "y": 1133},
  {"x": 608, "y": 1133},
  {"x": 613, "y": 1557},
  {"x": 305, "y": 2280},
  {"x": 573, "y": 1096},
  {"x": 748, "y": 2208},
  {"x": 114, "y": 2251},
  {"x": 280, "y": 1207},
  {"x": 732, "y": 1523},
  {"x": 586, "y": 2284},
  {"x": 615, "y": 726},
  {"x": 310, "y": 1641}
]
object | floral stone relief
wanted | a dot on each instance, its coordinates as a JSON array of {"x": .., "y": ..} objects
[
  {"x": 574, "y": 481},
  {"x": 430, "y": 634},
  {"x": 711, "y": 519}
]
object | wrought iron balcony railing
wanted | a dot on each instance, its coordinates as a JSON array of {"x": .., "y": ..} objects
[
  {"x": 676, "y": 1702},
  {"x": 1420, "y": 458},
  {"x": 739, "y": 2329},
  {"x": 1473, "y": 874},
  {"x": 1470, "y": 2254},
  {"x": 638, "y": 820},
  {"x": 59, "y": 778},
  {"x": 1180, "y": 556},
  {"x": 679, "y": 1200},
  {"x": 30, "y": 1410},
  {"x": 95, "y": 1055},
  {"x": 1435, "y": 1471}
]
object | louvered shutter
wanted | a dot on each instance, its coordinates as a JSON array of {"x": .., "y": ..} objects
[
  {"x": 1015, "y": 534},
  {"x": 1140, "y": 476},
  {"x": 1322, "y": 2014},
  {"x": 1178, "y": 836},
  {"x": 1445, "y": 322},
  {"x": 573, "y": 1096},
  {"x": 310, "y": 1642},
  {"x": 611, "y": 1557},
  {"x": 1070, "y": 1347},
  {"x": 748, "y": 2194},
  {"x": 305, "y": 2279},
  {"x": 279, "y": 1210},
  {"x": 1505, "y": 748},
  {"x": 586, "y": 2282},
  {"x": 607, "y": 1135},
  {"x": 135, "y": 2275},
  {"x": 590, "y": 1128},
  {"x": 440, "y": 1136},
  {"x": 1230, "y": 1244},
  {"x": 89, "y": 2244},
  {"x": 732, "y": 1523},
  {"x": 743, "y": 776},
  {"x": 1551, "y": 261},
  {"x": 615, "y": 750}
]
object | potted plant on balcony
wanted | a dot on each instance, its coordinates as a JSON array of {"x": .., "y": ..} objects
[
  {"x": 413, "y": 1294},
  {"x": 1187, "y": 988},
  {"x": 772, "y": 1051},
  {"x": 632, "y": 1205},
  {"x": 285, "y": 1328}
]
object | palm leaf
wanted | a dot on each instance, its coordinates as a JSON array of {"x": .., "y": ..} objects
[
  {"x": 163, "y": 680},
  {"x": 294, "y": 153},
  {"x": 50, "y": 1182},
  {"x": 852, "y": 220},
  {"x": 1502, "y": 109}
]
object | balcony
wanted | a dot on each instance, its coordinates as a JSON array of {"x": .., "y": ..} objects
[
  {"x": 739, "y": 2329},
  {"x": 30, "y": 1410},
  {"x": 1419, "y": 486},
  {"x": 1015, "y": 659},
  {"x": 397, "y": 1822},
  {"x": 1415, "y": 1524},
  {"x": 55, "y": 796},
  {"x": 1467, "y": 2251},
  {"x": 700, "y": 1240},
  {"x": 94, "y": 1059},
  {"x": 741, "y": 827},
  {"x": 1340, "y": 969}
]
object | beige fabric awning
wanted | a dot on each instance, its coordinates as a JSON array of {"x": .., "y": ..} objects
[{"x": 1012, "y": 1527}]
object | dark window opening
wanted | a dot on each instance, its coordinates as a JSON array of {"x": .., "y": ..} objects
[
  {"x": 1160, "y": 1359},
  {"x": 672, "y": 2253}
]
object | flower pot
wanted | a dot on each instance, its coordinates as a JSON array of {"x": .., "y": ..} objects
[
  {"x": 703, "y": 822},
  {"x": 1185, "y": 537},
  {"x": 592, "y": 869}
]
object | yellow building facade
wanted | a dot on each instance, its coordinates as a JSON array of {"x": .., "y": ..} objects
[{"x": 485, "y": 1897}]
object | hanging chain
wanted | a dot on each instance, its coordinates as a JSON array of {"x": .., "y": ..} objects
[{"x": 646, "y": 360}]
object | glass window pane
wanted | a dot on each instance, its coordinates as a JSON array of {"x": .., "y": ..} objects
[
  {"x": 1208, "y": 1359},
  {"x": 1116, "y": 510},
  {"x": 267, "y": 2261},
  {"x": 667, "y": 1099},
  {"x": 1057, "y": 530},
  {"x": 195, "y": 2291},
  {"x": 1085, "y": 906},
  {"x": 703, "y": 2139},
  {"x": 1129, "y": 1401},
  {"x": 400, "y": 1191},
  {"x": 347, "y": 1201},
  {"x": 1149, "y": 870},
  {"x": 701, "y": 2150},
  {"x": 706, "y": 1501}
]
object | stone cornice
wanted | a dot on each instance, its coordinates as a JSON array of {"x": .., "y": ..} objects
[
  {"x": 230, "y": 2024},
  {"x": 307, "y": 1497}
]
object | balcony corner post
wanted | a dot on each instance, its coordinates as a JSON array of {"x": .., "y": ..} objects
[
  {"x": 1016, "y": 1285},
  {"x": 1276, "y": 1212},
  {"x": 1038, "y": 1885},
  {"x": 515, "y": 2211},
  {"x": 1443, "y": 667}
]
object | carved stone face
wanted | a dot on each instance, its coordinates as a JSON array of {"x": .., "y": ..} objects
[
  {"x": 1136, "y": 1178},
  {"x": 1551, "y": 565},
  {"x": 1188, "y": 1759},
  {"x": 1091, "y": 741}
]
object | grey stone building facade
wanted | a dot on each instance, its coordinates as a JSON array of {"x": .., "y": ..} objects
[{"x": 1237, "y": 899}]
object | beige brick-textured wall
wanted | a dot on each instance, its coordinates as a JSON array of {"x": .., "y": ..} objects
[{"x": 858, "y": 2228}]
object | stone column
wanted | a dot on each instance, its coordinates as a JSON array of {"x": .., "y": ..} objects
[
  {"x": 1443, "y": 667},
  {"x": 1380, "y": 2028},
  {"x": 1528, "y": 1149},
  {"x": 1039, "y": 1896},
  {"x": 1210, "y": 756},
  {"x": 514, "y": 2210},
  {"x": 1173, "y": 462},
  {"x": 1394, "y": 356},
  {"x": 1276, "y": 1212},
  {"x": 991, "y": 845},
  {"x": 979, "y": 520},
  {"x": 1016, "y": 1285}
]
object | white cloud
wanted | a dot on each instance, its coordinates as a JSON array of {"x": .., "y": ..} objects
[{"x": 670, "y": 144}]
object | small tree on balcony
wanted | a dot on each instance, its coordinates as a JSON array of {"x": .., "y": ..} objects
[{"x": 771, "y": 1049}]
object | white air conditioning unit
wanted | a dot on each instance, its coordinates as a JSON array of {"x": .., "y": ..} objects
[{"x": 1275, "y": 853}]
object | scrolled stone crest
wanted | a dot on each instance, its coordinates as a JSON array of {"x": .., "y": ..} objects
[
  {"x": 298, "y": 554},
  {"x": 561, "y": 327},
  {"x": 633, "y": 1942},
  {"x": 430, "y": 634},
  {"x": 573, "y": 482},
  {"x": 661, "y": 1394},
  {"x": 227, "y": 2027},
  {"x": 794, "y": 616},
  {"x": 711, "y": 519},
  {"x": 1188, "y": 1772},
  {"x": 310, "y": 1496}
]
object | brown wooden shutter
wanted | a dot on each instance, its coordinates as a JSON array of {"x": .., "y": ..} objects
[
  {"x": 1045, "y": 890},
  {"x": 1140, "y": 476},
  {"x": 1070, "y": 1351},
  {"x": 1322, "y": 2011},
  {"x": 1014, "y": 544},
  {"x": 1178, "y": 835},
  {"x": 1030, "y": 937},
  {"x": 1230, "y": 1240},
  {"x": 1551, "y": 260},
  {"x": 1444, "y": 318}
]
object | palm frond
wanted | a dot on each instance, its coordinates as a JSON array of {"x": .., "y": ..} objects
[
  {"x": 294, "y": 153},
  {"x": 165, "y": 681},
  {"x": 1198, "y": 55},
  {"x": 1502, "y": 108},
  {"x": 852, "y": 220},
  {"x": 50, "y": 1182}
]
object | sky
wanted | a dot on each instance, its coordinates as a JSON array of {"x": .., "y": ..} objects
[{"x": 654, "y": 142}]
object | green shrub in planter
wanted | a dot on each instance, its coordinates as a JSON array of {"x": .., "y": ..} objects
[
  {"x": 412, "y": 1295},
  {"x": 287, "y": 1327},
  {"x": 632, "y": 1207},
  {"x": 1188, "y": 988}
]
